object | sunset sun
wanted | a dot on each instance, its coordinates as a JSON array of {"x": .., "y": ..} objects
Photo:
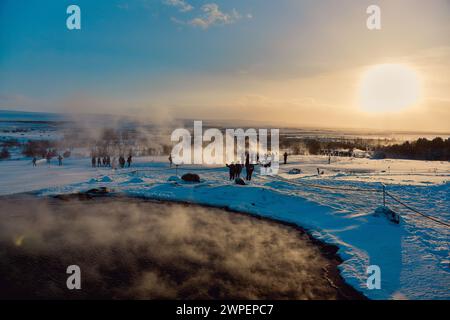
[{"x": 389, "y": 88}]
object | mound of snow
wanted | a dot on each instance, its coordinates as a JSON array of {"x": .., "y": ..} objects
[
  {"x": 135, "y": 180},
  {"x": 105, "y": 179},
  {"x": 102, "y": 179},
  {"x": 388, "y": 213},
  {"x": 174, "y": 179}
]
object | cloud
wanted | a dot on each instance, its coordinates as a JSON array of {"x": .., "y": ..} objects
[
  {"x": 182, "y": 5},
  {"x": 213, "y": 16},
  {"x": 210, "y": 15}
]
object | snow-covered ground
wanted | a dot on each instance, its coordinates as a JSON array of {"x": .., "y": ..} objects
[{"x": 336, "y": 207}]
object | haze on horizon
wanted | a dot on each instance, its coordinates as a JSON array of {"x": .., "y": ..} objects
[{"x": 287, "y": 62}]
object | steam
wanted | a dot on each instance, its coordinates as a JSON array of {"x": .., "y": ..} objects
[
  {"x": 133, "y": 249},
  {"x": 116, "y": 135}
]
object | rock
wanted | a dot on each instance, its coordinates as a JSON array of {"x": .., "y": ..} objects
[
  {"x": 190, "y": 177},
  {"x": 98, "y": 191},
  {"x": 239, "y": 181},
  {"x": 86, "y": 195},
  {"x": 295, "y": 171}
]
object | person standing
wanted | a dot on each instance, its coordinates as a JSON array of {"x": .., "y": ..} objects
[
  {"x": 249, "y": 170},
  {"x": 285, "y": 157},
  {"x": 231, "y": 167},
  {"x": 238, "y": 170},
  {"x": 60, "y": 160},
  {"x": 129, "y": 160},
  {"x": 93, "y": 161},
  {"x": 114, "y": 163},
  {"x": 34, "y": 161}
]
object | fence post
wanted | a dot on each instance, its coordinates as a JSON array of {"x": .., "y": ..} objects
[{"x": 384, "y": 195}]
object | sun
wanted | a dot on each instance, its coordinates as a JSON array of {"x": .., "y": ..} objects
[{"x": 389, "y": 88}]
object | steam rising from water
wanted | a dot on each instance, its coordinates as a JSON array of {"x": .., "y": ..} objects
[{"x": 135, "y": 249}]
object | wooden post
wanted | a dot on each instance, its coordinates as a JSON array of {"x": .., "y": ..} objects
[{"x": 384, "y": 195}]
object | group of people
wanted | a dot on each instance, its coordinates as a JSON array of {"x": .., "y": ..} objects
[
  {"x": 106, "y": 161},
  {"x": 48, "y": 158},
  {"x": 235, "y": 169}
]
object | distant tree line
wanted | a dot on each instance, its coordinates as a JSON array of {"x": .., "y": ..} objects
[
  {"x": 317, "y": 145},
  {"x": 39, "y": 148},
  {"x": 421, "y": 149},
  {"x": 4, "y": 154},
  {"x": 5, "y": 145}
]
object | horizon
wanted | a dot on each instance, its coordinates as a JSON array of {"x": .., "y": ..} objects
[{"x": 225, "y": 122}]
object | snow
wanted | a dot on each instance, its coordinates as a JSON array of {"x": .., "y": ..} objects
[{"x": 413, "y": 256}]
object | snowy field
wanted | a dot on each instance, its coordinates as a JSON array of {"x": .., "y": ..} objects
[{"x": 337, "y": 207}]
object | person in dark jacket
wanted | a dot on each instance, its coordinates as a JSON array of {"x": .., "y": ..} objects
[
  {"x": 129, "y": 160},
  {"x": 93, "y": 162},
  {"x": 232, "y": 169},
  {"x": 34, "y": 161},
  {"x": 238, "y": 169},
  {"x": 249, "y": 170},
  {"x": 60, "y": 160},
  {"x": 99, "y": 162},
  {"x": 285, "y": 155},
  {"x": 122, "y": 161}
]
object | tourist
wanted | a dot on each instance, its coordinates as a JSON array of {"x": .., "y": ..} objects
[{"x": 249, "y": 170}]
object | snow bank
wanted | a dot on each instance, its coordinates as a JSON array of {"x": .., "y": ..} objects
[{"x": 413, "y": 256}]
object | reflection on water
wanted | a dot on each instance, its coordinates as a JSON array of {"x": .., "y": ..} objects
[{"x": 129, "y": 248}]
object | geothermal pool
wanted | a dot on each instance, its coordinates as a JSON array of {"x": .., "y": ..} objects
[{"x": 131, "y": 248}]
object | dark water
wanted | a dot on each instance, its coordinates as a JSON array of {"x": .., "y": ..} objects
[{"x": 135, "y": 249}]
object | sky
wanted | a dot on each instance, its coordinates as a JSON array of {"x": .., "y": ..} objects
[{"x": 287, "y": 62}]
